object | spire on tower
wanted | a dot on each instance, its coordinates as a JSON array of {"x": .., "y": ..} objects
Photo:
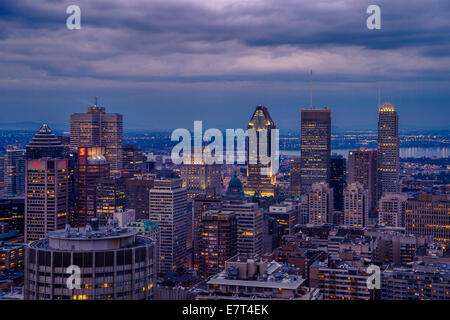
[{"x": 310, "y": 89}]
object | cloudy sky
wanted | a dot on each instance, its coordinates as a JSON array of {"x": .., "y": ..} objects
[{"x": 165, "y": 63}]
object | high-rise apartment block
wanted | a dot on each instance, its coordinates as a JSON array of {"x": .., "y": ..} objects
[
  {"x": 356, "y": 205},
  {"x": 320, "y": 204},
  {"x": 392, "y": 209}
]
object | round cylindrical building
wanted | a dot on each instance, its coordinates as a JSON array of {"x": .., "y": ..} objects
[{"x": 114, "y": 263}]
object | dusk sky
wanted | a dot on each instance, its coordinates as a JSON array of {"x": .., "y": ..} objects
[{"x": 165, "y": 63}]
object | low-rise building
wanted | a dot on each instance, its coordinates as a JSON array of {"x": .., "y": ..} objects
[{"x": 246, "y": 277}]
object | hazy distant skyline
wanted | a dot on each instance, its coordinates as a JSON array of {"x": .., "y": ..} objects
[{"x": 164, "y": 64}]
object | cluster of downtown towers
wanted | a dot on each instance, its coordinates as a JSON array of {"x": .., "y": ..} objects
[
  {"x": 62, "y": 177},
  {"x": 376, "y": 170}
]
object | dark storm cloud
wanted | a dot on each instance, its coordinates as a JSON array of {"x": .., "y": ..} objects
[{"x": 140, "y": 44}]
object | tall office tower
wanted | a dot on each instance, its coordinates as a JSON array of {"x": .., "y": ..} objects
[
  {"x": 115, "y": 264},
  {"x": 138, "y": 195},
  {"x": 44, "y": 145},
  {"x": 98, "y": 128},
  {"x": 260, "y": 178},
  {"x": 12, "y": 212},
  {"x": 197, "y": 177},
  {"x": 92, "y": 165},
  {"x": 168, "y": 200},
  {"x": 14, "y": 171},
  {"x": 133, "y": 160},
  {"x": 315, "y": 147},
  {"x": 362, "y": 168},
  {"x": 65, "y": 141},
  {"x": 320, "y": 204},
  {"x": 295, "y": 176},
  {"x": 356, "y": 205},
  {"x": 428, "y": 214},
  {"x": 392, "y": 209},
  {"x": 2, "y": 174},
  {"x": 388, "y": 150},
  {"x": 338, "y": 180},
  {"x": 110, "y": 198},
  {"x": 217, "y": 241},
  {"x": 47, "y": 196},
  {"x": 250, "y": 224},
  {"x": 201, "y": 205},
  {"x": 285, "y": 215}
]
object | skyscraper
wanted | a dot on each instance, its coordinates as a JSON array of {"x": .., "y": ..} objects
[
  {"x": 14, "y": 171},
  {"x": 315, "y": 147},
  {"x": 258, "y": 183},
  {"x": 202, "y": 204},
  {"x": 96, "y": 128},
  {"x": 2, "y": 173},
  {"x": 356, "y": 205},
  {"x": 217, "y": 241},
  {"x": 362, "y": 168},
  {"x": 138, "y": 195},
  {"x": 250, "y": 224},
  {"x": 388, "y": 150},
  {"x": 110, "y": 198},
  {"x": 295, "y": 176},
  {"x": 168, "y": 201},
  {"x": 44, "y": 144},
  {"x": 199, "y": 176},
  {"x": 92, "y": 165},
  {"x": 132, "y": 159},
  {"x": 338, "y": 180},
  {"x": 47, "y": 196}
]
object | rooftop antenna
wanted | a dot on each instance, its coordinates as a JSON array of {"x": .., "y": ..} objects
[
  {"x": 96, "y": 101},
  {"x": 379, "y": 98},
  {"x": 310, "y": 89}
]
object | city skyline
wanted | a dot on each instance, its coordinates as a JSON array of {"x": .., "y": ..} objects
[
  {"x": 236, "y": 152},
  {"x": 224, "y": 58}
]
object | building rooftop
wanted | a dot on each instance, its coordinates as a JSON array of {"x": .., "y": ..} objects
[
  {"x": 256, "y": 272},
  {"x": 87, "y": 233},
  {"x": 87, "y": 239}
]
